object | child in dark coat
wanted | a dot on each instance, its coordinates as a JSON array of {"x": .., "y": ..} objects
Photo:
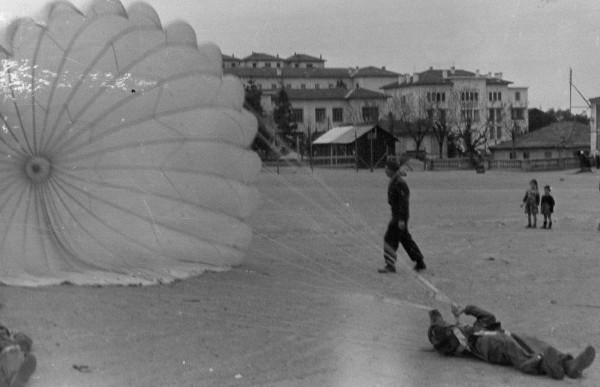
[
  {"x": 531, "y": 201},
  {"x": 547, "y": 206}
]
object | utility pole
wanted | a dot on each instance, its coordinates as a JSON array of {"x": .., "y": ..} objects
[{"x": 570, "y": 88}]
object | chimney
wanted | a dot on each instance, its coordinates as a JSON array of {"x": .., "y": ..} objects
[
  {"x": 383, "y": 67},
  {"x": 430, "y": 68},
  {"x": 452, "y": 70},
  {"x": 498, "y": 75},
  {"x": 444, "y": 74}
]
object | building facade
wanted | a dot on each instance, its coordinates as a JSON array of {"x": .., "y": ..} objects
[
  {"x": 485, "y": 102},
  {"x": 319, "y": 110},
  {"x": 321, "y": 97}
]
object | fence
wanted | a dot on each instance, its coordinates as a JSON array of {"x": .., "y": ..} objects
[
  {"x": 514, "y": 165},
  {"x": 536, "y": 165}
]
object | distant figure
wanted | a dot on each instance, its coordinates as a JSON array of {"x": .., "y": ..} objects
[
  {"x": 531, "y": 201},
  {"x": 486, "y": 340},
  {"x": 547, "y": 206},
  {"x": 397, "y": 231}
]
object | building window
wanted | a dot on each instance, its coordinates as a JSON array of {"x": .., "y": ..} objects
[
  {"x": 331, "y": 85},
  {"x": 490, "y": 96},
  {"x": 499, "y": 96},
  {"x": 296, "y": 65},
  {"x": 499, "y": 132},
  {"x": 466, "y": 96},
  {"x": 470, "y": 115},
  {"x": 254, "y": 65},
  {"x": 495, "y": 115},
  {"x": 548, "y": 154},
  {"x": 428, "y": 97},
  {"x": 309, "y": 65},
  {"x": 232, "y": 65},
  {"x": 298, "y": 115},
  {"x": 278, "y": 65},
  {"x": 517, "y": 95},
  {"x": 443, "y": 97},
  {"x": 338, "y": 114},
  {"x": 317, "y": 86},
  {"x": 491, "y": 133},
  {"x": 526, "y": 155},
  {"x": 370, "y": 113},
  {"x": 302, "y": 86},
  {"x": 512, "y": 155},
  {"x": 259, "y": 86},
  {"x": 518, "y": 113},
  {"x": 273, "y": 86},
  {"x": 320, "y": 114},
  {"x": 268, "y": 65}
]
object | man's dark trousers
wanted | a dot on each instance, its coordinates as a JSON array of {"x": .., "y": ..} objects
[{"x": 394, "y": 236}]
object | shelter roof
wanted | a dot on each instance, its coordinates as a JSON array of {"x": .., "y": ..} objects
[
  {"x": 345, "y": 134},
  {"x": 564, "y": 134}
]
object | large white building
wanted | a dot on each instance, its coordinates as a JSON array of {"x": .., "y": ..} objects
[
  {"x": 487, "y": 101},
  {"x": 321, "y": 97}
]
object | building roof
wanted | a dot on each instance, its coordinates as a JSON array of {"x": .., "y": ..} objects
[
  {"x": 230, "y": 58},
  {"x": 261, "y": 56},
  {"x": 333, "y": 94},
  {"x": 314, "y": 72},
  {"x": 436, "y": 77},
  {"x": 372, "y": 71},
  {"x": 595, "y": 99},
  {"x": 303, "y": 58},
  {"x": 564, "y": 134},
  {"x": 344, "y": 134}
]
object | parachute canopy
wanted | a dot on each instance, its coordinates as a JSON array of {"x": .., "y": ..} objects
[{"x": 123, "y": 150}]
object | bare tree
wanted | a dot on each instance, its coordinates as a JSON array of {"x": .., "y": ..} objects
[
  {"x": 412, "y": 113},
  {"x": 514, "y": 126},
  {"x": 470, "y": 123}
]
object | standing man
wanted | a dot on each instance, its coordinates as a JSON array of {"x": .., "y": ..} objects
[{"x": 397, "y": 231}]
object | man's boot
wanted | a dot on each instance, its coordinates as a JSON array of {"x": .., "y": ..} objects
[
  {"x": 573, "y": 367},
  {"x": 552, "y": 365},
  {"x": 549, "y": 225},
  {"x": 544, "y": 225}
]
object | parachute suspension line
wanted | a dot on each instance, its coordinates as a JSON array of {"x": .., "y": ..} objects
[
  {"x": 342, "y": 212},
  {"x": 437, "y": 294}
]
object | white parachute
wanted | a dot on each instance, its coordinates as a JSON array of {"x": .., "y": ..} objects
[{"x": 123, "y": 151}]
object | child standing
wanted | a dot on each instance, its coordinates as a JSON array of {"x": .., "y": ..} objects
[
  {"x": 531, "y": 201},
  {"x": 547, "y": 206}
]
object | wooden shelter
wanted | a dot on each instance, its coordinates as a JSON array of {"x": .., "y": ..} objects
[{"x": 362, "y": 146}]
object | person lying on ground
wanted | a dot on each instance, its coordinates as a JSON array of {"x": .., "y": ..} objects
[
  {"x": 17, "y": 364},
  {"x": 486, "y": 340}
]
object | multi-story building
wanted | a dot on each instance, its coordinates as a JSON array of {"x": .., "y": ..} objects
[
  {"x": 486, "y": 102},
  {"x": 321, "y": 97},
  {"x": 319, "y": 110}
]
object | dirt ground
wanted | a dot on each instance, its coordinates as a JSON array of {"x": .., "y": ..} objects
[{"x": 307, "y": 308}]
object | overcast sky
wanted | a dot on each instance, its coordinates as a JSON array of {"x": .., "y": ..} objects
[{"x": 532, "y": 42}]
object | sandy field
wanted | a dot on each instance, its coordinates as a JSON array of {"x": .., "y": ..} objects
[{"x": 308, "y": 308}]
